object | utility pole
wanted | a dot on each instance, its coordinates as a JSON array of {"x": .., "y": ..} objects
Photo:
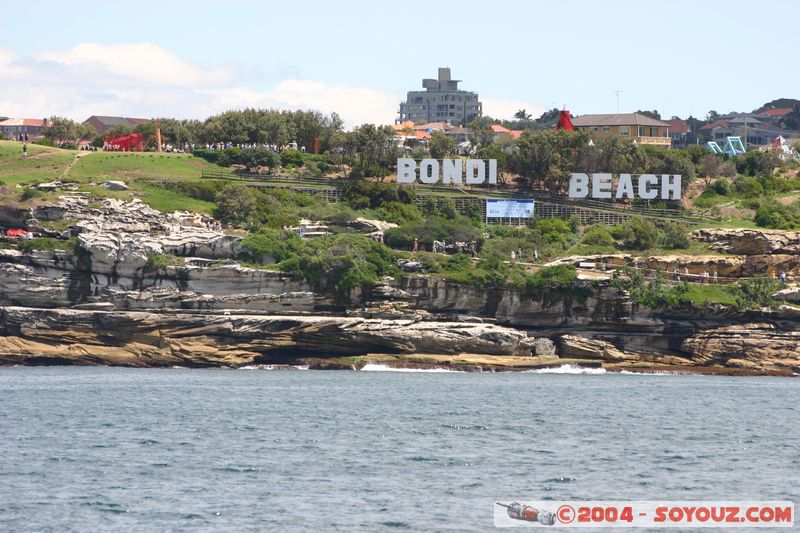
[{"x": 618, "y": 93}]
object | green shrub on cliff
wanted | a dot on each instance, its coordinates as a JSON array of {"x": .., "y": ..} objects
[
  {"x": 674, "y": 236},
  {"x": 637, "y": 234},
  {"x": 776, "y": 216},
  {"x": 755, "y": 293},
  {"x": 342, "y": 262},
  {"x": 46, "y": 244},
  {"x": 655, "y": 292},
  {"x": 267, "y": 245},
  {"x": 156, "y": 261},
  {"x": 552, "y": 277}
]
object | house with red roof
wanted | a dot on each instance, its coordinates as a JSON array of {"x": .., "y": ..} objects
[
  {"x": 679, "y": 132},
  {"x": 12, "y": 128}
]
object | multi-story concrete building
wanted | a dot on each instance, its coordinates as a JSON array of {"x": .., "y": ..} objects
[{"x": 441, "y": 101}]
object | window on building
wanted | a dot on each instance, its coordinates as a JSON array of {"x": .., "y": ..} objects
[
  {"x": 654, "y": 132},
  {"x": 594, "y": 129},
  {"x": 640, "y": 131},
  {"x": 605, "y": 129},
  {"x": 418, "y": 99},
  {"x": 624, "y": 131}
]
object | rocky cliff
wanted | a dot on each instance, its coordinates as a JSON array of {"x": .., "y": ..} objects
[{"x": 110, "y": 303}]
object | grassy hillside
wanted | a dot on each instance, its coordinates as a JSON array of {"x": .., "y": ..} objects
[
  {"x": 102, "y": 166},
  {"x": 42, "y": 163},
  {"x": 47, "y": 164}
]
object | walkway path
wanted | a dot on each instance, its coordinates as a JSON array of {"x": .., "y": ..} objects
[{"x": 81, "y": 153}]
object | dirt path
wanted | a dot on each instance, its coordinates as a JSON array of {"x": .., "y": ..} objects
[{"x": 80, "y": 154}]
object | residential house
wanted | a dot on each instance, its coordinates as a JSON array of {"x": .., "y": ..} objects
[
  {"x": 752, "y": 130},
  {"x": 680, "y": 133},
  {"x": 635, "y": 126},
  {"x": 12, "y": 128},
  {"x": 103, "y": 124}
]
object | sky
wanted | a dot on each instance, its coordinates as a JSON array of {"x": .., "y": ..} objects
[{"x": 196, "y": 59}]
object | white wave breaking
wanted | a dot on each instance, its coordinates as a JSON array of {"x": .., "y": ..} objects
[{"x": 567, "y": 369}]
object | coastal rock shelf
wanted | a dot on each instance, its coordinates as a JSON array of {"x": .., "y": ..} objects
[{"x": 31, "y": 336}]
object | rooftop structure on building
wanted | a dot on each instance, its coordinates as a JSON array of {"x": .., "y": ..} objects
[
  {"x": 104, "y": 124},
  {"x": 441, "y": 101}
]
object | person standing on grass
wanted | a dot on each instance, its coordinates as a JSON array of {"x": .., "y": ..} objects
[{"x": 24, "y": 149}]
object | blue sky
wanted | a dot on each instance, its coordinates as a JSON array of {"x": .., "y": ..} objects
[{"x": 359, "y": 58}]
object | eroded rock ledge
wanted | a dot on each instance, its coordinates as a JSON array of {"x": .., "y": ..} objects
[{"x": 69, "y": 336}]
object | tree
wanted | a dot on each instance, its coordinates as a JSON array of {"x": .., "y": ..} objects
[
  {"x": 235, "y": 203},
  {"x": 711, "y": 116},
  {"x": 481, "y": 132},
  {"x": 637, "y": 234},
  {"x": 546, "y": 158},
  {"x": 440, "y": 145},
  {"x": 500, "y": 150},
  {"x": 258, "y": 156},
  {"x": 713, "y": 166},
  {"x": 522, "y": 115},
  {"x": 652, "y": 114},
  {"x": 60, "y": 130},
  {"x": 374, "y": 148}
]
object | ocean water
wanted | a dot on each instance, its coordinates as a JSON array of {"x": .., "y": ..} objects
[{"x": 108, "y": 449}]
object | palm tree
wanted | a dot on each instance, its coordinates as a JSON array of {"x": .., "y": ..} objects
[{"x": 522, "y": 115}]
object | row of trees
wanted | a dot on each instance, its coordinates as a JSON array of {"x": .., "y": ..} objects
[{"x": 249, "y": 126}]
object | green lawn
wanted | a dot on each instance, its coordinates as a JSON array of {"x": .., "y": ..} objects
[
  {"x": 709, "y": 294},
  {"x": 102, "y": 166},
  {"x": 153, "y": 195},
  {"x": 42, "y": 164}
]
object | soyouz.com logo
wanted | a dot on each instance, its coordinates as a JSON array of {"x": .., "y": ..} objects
[{"x": 643, "y": 514}]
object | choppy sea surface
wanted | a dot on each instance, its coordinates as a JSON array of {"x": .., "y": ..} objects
[{"x": 108, "y": 449}]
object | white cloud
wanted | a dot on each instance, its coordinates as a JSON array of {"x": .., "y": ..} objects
[
  {"x": 10, "y": 66},
  {"x": 138, "y": 62},
  {"x": 355, "y": 104},
  {"x": 505, "y": 109},
  {"x": 145, "y": 80}
]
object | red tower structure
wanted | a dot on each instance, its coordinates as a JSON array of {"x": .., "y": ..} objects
[{"x": 565, "y": 121}]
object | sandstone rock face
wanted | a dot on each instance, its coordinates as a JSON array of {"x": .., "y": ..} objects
[
  {"x": 57, "y": 279},
  {"x": 543, "y": 346},
  {"x": 124, "y": 253},
  {"x": 119, "y": 235},
  {"x": 579, "y": 347},
  {"x": 725, "y": 265},
  {"x": 756, "y": 345},
  {"x": 767, "y": 252},
  {"x": 148, "y": 339},
  {"x": 750, "y": 241},
  {"x": 791, "y": 294}
]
